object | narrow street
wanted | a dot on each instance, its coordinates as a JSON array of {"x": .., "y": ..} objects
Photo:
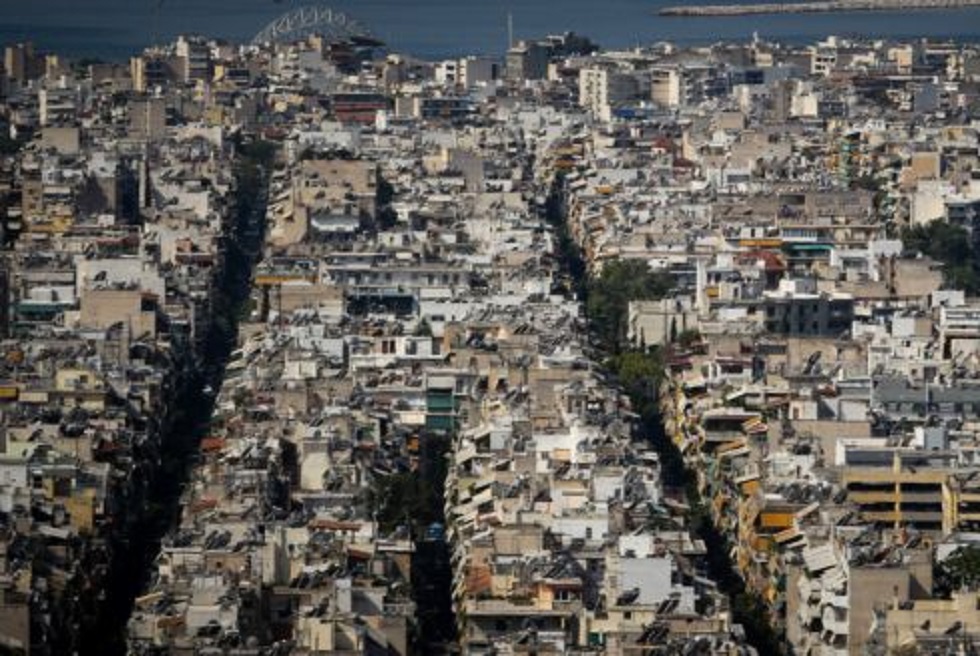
[{"x": 190, "y": 415}]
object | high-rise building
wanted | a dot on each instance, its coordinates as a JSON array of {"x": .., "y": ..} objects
[
  {"x": 21, "y": 63},
  {"x": 194, "y": 57},
  {"x": 665, "y": 87},
  {"x": 527, "y": 60},
  {"x": 56, "y": 106},
  {"x": 149, "y": 71},
  {"x": 137, "y": 71},
  {"x": 477, "y": 70},
  {"x": 601, "y": 88},
  {"x": 147, "y": 118}
]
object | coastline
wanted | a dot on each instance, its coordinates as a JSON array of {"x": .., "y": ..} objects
[{"x": 815, "y": 7}]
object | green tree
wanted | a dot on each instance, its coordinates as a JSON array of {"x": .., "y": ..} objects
[
  {"x": 423, "y": 329},
  {"x": 640, "y": 372},
  {"x": 610, "y": 293},
  {"x": 965, "y": 277},
  {"x": 960, "y": 570},
  {"x": 403, "y": 498},
  {"x": 385, "y": 192},
  {"x": 688, "y": 338},
  {"x": 10, "y": 146},
  {"x": 951, "y": 245},
  {"x": 386, "y": 216},
  {"x": 413, "y": 498}
]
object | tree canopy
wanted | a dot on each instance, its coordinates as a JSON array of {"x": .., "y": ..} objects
[
  {"x": 961, "y": 570},
  {"x": 639, "y": 374},
  {"x": 610, "y": 293},
  {"x": 951, "y": 245}
]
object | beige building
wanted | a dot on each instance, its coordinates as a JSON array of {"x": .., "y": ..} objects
[
  {"x": 915, "y": 626},
  {"x": 148, "y": 118},
  {"x": 655, "y": 323},
  {"x": 63, "y": 140},
  {"x": 21, "y": 62},
  {"x": 601, "y": 88},
  {"x": 666, "y": 87},
  {"x": 103, "y": 308}
]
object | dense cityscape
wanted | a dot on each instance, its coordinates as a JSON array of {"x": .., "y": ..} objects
[{"x": 312, "y": 348}]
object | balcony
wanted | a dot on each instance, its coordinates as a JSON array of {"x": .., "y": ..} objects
[
  {"x": 834, "y": 623},
  {"x": 865, "y": 497},
  {"x": 922, "y": 497}
]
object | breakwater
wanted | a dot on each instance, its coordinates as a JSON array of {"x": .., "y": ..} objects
[{"x": 820, "y": 6}]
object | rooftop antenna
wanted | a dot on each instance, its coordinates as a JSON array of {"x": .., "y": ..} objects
[{"x": 510, "y": 30}]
